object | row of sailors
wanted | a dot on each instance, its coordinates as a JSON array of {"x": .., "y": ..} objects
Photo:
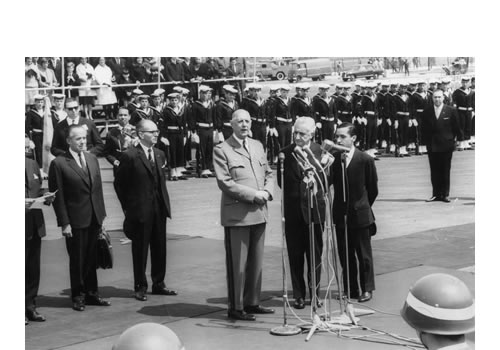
[{"x": 388, "y": 115}]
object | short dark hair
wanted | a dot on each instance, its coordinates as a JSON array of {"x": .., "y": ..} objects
[{"x": 351, "y": 129}]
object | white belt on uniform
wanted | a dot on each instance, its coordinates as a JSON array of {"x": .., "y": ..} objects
[
  {"x": 173, "y": 128},
  {"x": 258, "y": 120},
  {"x": 370, "y": 112},
  {"x": 420, "y": 110},
  {"x": 284, "y": 120},
  {"x": 463, "y": 108},
  {"x": 327, "y": 119},
  {"x": 227, "y": 124},
  {"x": 403, "y": 113},
  {"x": 205, "y": 125}
]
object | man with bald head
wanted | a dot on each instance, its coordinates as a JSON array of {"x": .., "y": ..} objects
[
  {"x": 246, "y": 182},
  {"x": 141, "y": 189}
]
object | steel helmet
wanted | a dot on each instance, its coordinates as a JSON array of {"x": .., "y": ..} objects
[
  {"x": 148, "y": 336},
  {"x": 440, "y": 304}
]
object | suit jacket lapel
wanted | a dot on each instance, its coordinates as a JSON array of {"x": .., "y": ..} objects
[
  {"x": 90, "y": 167},
  {"x": 74, "y": 165}
]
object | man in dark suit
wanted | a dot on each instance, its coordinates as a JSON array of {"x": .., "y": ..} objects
[
  {"x": 297, "y": 212},
  {"x": 59, "y": 142},
  {"x": 119, "y": 139},
  {"x": 141, "y": 189},
  {"x": 440, "y": 128},
  {"x": 246, "y": 181},
  {"x": 362, "y": 190},
  {"x": 80, "y": 211},
  {"x": 117, "y": 65},
  {"x": 35, "y": 230}
]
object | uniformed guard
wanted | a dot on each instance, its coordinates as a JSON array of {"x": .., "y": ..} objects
[
  {"x": 383, "y": 113},
  {"x": 57, "y": 111},
  {"x": 34, "y": 126},
  {"x": 157, "y": 105},
  {"x": 473, "y": 112},
  {"x": 343, "y": 105},
  {"x": 461, "y": 101},
  {"x": 254, "y": 105},
  {"x": 402, "y": 120},
  {"x": 410, "y": 90},
  {"x": 392, "y": 118},
  {"x": 369, "y": 111},
  {"x": 203, "y": 126},
  {"x": 173, "y": 132},
  {"x": 185, "y": 109},
  {"x": 445, "y": 86},
  {"x": 325, "y": 113},
  {"x": 281, "y": 111},
  {"x": 143, "y": 112},
  {"x": 300, "y": 104},
  {"x": 355, "y": 109},
  {"x": 134, "y": 100},
  {"x": 224, "y": 109},
  {"x": 273, "y": 146},
  {"x": 417, "y": 103}
]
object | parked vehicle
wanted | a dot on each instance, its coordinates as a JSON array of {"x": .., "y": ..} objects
[
  {"x": 459, "y": 66},
  {"x": 362, "y": 71},
  {"x": 314, "y": 68},
  {"x": 274, "y": 70}
]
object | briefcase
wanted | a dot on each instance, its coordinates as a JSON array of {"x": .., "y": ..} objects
[{"x": 104, "y": 250}]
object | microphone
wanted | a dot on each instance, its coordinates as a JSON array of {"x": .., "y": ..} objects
[
  {"x": 328, "y": 146},
  {"x": 301, "y": 158},
  {"x": 300, "y": 153},
  {"x": 308, "y": 151},
  {"x": 281, "y": 158}
]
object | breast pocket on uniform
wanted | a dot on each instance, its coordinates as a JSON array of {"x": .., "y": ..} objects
[{"x": 235, "y": 163}]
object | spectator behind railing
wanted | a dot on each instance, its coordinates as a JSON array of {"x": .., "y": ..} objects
[
  {"x": 87, "y": 95},
  {"x": 31, "y": 78}
]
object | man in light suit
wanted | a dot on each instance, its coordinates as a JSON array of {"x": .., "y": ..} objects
[
  {"x": 361, "y": 191},
  {"x": 246, "y": 182},
  {"x": 440, "y": 128},
  {"x": 297, "y": 214},
  {"x": 141, "y": 189},
  {"x": 80, "y": 211},
  {"x": 59, "y": 144}
]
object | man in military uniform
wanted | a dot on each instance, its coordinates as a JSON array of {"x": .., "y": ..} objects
[
  {"x": 445, "y": 86},
  {"x": 273, "y": 146},
  {"x": 325, "y": 113},
  {"x": 300, "y": 104},
  {"x": 356, "y": 116},
  {"x": 281, "y": 112},
  {"x": 473, "y": 112},
  {"x": 33, "y": 125},
  {"x": 391, "y": 117},
  {"x": 410, "y": 90},
  {"x": 369, "y": 109},
  {"x": 57, "y": 110},
  {"x": 402, "y": 120},
  {"x": 119, "y": 139},
  {"x": 383, "y": 131},
  {"x": 202, "y": 124},
  {"x": 254, "y": 105},
  {"x": 143, "y": 112},
  {"x": 134, "y": 101},
  {"x": 343, "y": 105},
  {"x": 224, "y": 110},
  {"x": 157, "y": 105},
  {"x": 185, "y": 110},
  {"x": 461, "y": 101},
  {"x": 417, "y": 103}
]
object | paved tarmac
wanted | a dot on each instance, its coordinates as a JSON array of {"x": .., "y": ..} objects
[{"x": 414, "y": 238}]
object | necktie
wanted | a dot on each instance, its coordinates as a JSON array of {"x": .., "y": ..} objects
[
  {"x": 82, "y": 162},
  {"x": 150, "y": 157},
  {"x": 245, "y": 146}
]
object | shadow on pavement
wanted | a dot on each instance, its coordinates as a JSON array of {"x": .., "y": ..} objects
[{"x": 179, "y": 310}]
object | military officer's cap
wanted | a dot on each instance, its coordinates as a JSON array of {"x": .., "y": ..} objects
[
  {"x": 143, "y": 97},
  {"x": 38, "y": 97},
  {"x": 173, "y": 95},
  {"x": 254, "y": 86},
  {"x": 230, "y": 88},
  {"x": 58, "y": 96},
  {"x": 324, "y": 86},
  {"x": 204, "y": 88},
  {"x": 137, "y": 92},
  {"x": 181, "y": 90}
]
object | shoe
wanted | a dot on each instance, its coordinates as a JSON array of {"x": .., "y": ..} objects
[
  {"x": 376, "y": 158},
  {"x": 365, "y": 297},
  {"x": 25, "y": 321},
  {"x": 78, "y": 304},
  {"x": 353, "y": 296},
  {"x": 140, "y": 295},
  {"x": 33, "y": 315},
  {"x": 445, "y": 199},
  {"x": 258, "y": 309},
  {"x": 96, "y": 300},
  {"x": 163, "y": 291},
  {"x": 433, "y": 199},
  {"x": 299, "y": 303},
  {"x": 240, "y": 315}
]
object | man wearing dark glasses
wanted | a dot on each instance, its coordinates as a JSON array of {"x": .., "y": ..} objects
[{"x": 59, "y": 144}]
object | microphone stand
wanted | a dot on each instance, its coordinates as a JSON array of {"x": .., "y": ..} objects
[{"x": 285, "y": 329}]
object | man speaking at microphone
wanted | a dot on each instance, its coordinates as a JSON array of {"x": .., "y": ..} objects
[
  {"x": 301, "y": 168},
  {"x": 360, "y": 193}
]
